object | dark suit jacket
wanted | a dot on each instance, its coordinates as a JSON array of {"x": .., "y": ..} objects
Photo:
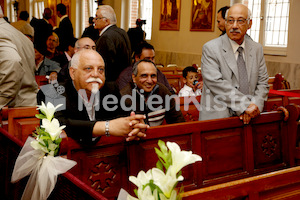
[
  {"x": 65, "y": 33},
  {"x": 78, "y": 125},
  {"x": 42, "y": 30},
  {"x": 61, "y": 59},
  {"x": 114, "y": 46},
  {"x": 91, "y": 32}
]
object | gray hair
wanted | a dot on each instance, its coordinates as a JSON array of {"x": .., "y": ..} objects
[
  {"x": 75, "y": 59},
  {"x": 77, "y": 44},
  {"x": 135, "y": 66},
  {"x": 249, "y": 12},
  {"x": 109, "y": 13}
]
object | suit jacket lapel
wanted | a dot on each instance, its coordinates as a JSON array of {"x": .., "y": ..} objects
[{"x": 229, "y": 56}]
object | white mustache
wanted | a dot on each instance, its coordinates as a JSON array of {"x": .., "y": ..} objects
[
  {"x": 235, "y": 31},
  {"x": 94, "y": 80}
]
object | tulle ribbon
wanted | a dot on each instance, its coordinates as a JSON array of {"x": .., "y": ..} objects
[{"x": 43, "y": 169}]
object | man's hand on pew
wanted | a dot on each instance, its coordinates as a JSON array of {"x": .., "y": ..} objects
[
  {"x": 251, "y": 112},
  {"x": 285, "y": 112},
  {"x": 245, "y": 118}
]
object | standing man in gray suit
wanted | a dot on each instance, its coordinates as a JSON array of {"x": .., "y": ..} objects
[{"x": 229, "y": 90}]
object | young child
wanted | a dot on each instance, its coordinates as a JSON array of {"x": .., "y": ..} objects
[{"x": 192, "y": 87}]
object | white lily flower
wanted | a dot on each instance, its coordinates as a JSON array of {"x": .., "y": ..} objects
[
  {"x": 180, "y": 158},
  {"x": 165, "y": 182},
  {"x": 141, "y": 179},
  {"x": 52, "y": 127},
  {"x": 35, "y": 144},
  {"x": 129, "y": 197},
  {"x": 146, "y": 194},
  {"x": 49, "y": 110},
  {"x": 173, "y": 196}
]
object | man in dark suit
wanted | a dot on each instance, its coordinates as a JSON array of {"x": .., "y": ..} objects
[
  {"x": 113, "y": 43},
  {"x": 90, "y": 31},
  {"x": 65, "y": 29},
  {"x": 86, "y": 115},
  {"x": 42, "y": 30}
]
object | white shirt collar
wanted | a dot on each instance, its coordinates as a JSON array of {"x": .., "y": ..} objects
[
  {"x": 90, "y": 108},
  {"x": 103, "y": 30},
  {"x": 46, "y": 20},
  {"x": 68, "y": 56},
  {"x": 63, "y": 17},
  {"x": 235, "y": 46}
]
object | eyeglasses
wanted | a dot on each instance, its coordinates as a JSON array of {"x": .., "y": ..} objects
[
  {"x": 240, "y": 21},
  {"x": 96, "y": 18}
]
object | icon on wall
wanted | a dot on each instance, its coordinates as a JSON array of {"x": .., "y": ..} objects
[
  {"x": 169, "y": 15},
  {"x": 203, "y": 15}
]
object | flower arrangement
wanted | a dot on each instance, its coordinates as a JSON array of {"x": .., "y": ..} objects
[
  {"x": 159, "y": 183},
  {"x": 47, "y": 136},
  {"x": 38, "y": 157}
]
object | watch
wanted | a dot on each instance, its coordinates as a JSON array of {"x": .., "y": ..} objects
[{"x": 107, "y": 128}]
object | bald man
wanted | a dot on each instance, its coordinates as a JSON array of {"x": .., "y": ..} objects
[
  {"x": 85, "y": 121},
  {"x": 82, "y": 43}
]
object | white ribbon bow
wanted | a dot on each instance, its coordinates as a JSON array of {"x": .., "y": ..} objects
[{"x": 43, "y": 169}]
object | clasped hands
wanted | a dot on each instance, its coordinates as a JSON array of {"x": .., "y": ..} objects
[
  {"x": 251, "y": 112},
  {"x": 132, "y": 127}
]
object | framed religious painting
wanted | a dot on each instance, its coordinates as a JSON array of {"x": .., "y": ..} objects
[
  {"x": 203, "y": 15},
  {"x": 169, "y": 15}
]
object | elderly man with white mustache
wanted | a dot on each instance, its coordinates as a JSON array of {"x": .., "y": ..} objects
[
  {"x": 88, "y": 115},
  {"x": 235, "y": 78}
]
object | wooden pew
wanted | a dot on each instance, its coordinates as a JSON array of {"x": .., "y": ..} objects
[
  {"x": 230, "y": 150},
  {"x": 274, "y": 100},
  {"x": 19, "y": 122},
  {"x": 267, "y": 144},
  {"x": 282, "y": 184},
  {"x": 175, "y": 81},
  {"x": 190, "y": 107},
  {"x": 68, "y": 186},
  {"x": 172, "y": 70}
]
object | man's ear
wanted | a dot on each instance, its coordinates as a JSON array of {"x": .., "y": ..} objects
[
  {"x": 184, "y": 80},
  {"x": 136, "y": 58},
  {"x": 133, "y": 78},
  {"x": 250, "y": 24},
  {"x": 72, "y": 73}
]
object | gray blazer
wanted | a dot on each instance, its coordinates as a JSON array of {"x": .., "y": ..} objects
[{"x": 221, "y": 97}]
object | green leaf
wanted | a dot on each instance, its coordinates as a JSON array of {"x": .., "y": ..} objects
[
  {"x": 58, "y": 141},
  {"x": 135, "y": 192},
  {"x": 42, "y": 144},
  {"x": 40, "y": 116},
  {"x": 45, "y": 138},
  {"x": 159, "y": 165}
]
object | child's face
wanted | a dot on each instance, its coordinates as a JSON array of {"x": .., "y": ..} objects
[{"x": 191, "y": 77}]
